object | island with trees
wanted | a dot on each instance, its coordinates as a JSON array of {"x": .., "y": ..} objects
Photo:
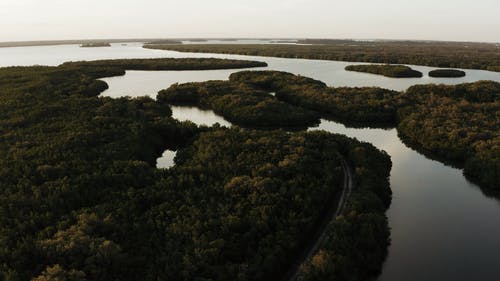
[
  {"x": 447, "y": 73},
  {"x": 388, "y": 70},
  {"x": 485, "y": 56},
  {"x": 95, "y": 45},
  {"x": 81, "y": 198}
]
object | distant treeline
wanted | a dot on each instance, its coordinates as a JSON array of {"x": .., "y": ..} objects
[
  {"x": 164, "y": 41},
  {"x": 438, "y": 54}
]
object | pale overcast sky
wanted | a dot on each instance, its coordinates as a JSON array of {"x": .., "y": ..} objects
[{"x": 462, "y": 20}]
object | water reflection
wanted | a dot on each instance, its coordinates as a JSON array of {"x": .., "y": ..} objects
[
  {"x": 166, "y": 160},
  {"x": 442, "y": 226},
  {"x": 198, "y": 116}
]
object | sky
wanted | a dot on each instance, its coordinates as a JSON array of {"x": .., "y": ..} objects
[{"x": 453, "y": 20}]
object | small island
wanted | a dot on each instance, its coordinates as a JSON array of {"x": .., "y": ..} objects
[
  {"x": 447, "y": 73},
  {"x": 163, "y": 41},
  {"x": 95, "y": 44},
  {"x": 197, "y": 40},
  {"x": 388, "y": 70}
]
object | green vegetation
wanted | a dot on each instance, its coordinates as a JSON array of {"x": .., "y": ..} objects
[
  {"x": 367, "y": 105},
  {"x": 388, "y": 70},
  {"x": 66, "y": 156},
  {"x": 447, "y": 73},
  {"x": 239, "y": 103},
  {"x": 82, "y": 200},
  {"x": 458, "y": 123},
  {"x": 95, "y": 45},
  {"x": 357, "y": 257},
  {"x": 438, "y": 54}
]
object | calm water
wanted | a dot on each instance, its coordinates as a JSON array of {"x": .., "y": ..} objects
[
  {"x": 166, "y": 160},
  {"x": 442, "y": 227}
]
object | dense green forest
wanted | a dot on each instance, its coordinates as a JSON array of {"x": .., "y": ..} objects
[
  {"x": 388, "y": 70},
  {"x": 438, "y": 54},
  {"x": 447, "y": 73},
  {"x": 457, "y": 123},
  {"x": 345, "y": 250},
  {"x": 81, "y": 199},
  {"x": 367, "y": 105},
  {"x": 239, "y": 103}
]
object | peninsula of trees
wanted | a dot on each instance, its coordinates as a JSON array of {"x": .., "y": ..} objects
[
  {"x": 388, "y": 70},
  {"x": 240, "y": 104}
]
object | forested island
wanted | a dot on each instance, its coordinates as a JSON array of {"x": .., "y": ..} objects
[
  {"x": 485, "y": 56},
  {"x": 388, "y": 70},
  {"x": 447, "y": 73},
  {"x": 81, "y": 198},
  {"x": 241, "y": 104},
  {"x": 95, "y": 45}
]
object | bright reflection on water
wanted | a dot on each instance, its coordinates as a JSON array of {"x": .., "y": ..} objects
[
  {"x": 442, "y": 227},
  {"x": 166, "y": 160},
  {"x": 198, "y": 116}
]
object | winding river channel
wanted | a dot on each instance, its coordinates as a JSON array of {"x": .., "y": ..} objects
[{"x": 442, "y": 226}]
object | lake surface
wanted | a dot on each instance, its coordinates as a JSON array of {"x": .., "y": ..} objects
[
  {"x": 442, "y": 226},
  {"x": 166, "y": 160}
]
